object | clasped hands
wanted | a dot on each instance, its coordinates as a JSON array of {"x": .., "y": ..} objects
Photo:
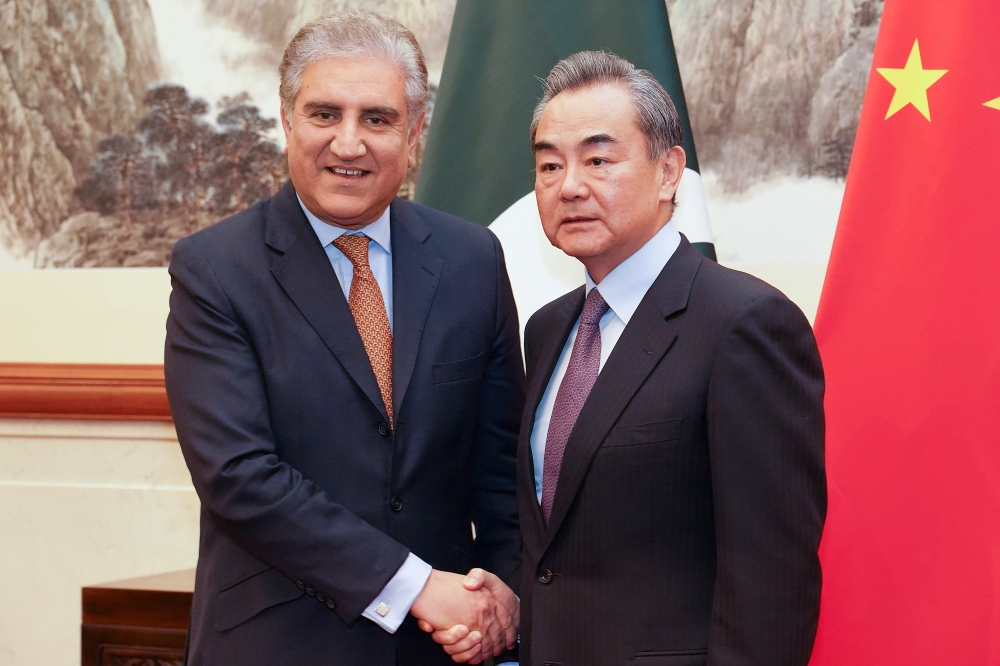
[{"x": 474, "y": 617}]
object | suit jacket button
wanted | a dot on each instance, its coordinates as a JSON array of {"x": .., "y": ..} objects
[
  {"x": 330, "y": 604},
  {"x": 545, "y": 576},
  {"x": 320, "y": 598},
  {"x": 383, "y": 429},
  {"x": 396, "y": 504},
  {"x": 311, "y": 592},
  {"x": 299, "y": 584}
]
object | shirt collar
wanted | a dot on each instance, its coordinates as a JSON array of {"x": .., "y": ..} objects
[
  {"x": 378, "y": 231},
  {"x": 625, "y": 286}
]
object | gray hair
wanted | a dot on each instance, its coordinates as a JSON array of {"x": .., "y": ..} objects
[
  {"x": 350, "y": 33},
  {"x": 655, "y": 113}
]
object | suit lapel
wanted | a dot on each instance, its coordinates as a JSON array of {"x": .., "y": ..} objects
[
  {"x": 305, "y": 274},
  {"x": 416, "y": 271},
  {"x": 555, "y": 329},
  {"x": 646, "y": 339}
]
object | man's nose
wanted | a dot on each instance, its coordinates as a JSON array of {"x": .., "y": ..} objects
[
  {"x": 574, "y": 185},
  {"x": 347, "y": 143}
]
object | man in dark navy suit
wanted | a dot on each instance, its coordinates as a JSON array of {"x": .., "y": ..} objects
[
  {"x": 671, "y": 482},
  {"x": 672, "y": 491},
  {"x": 345, "y": 376}
]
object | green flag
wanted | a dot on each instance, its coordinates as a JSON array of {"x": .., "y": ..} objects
[{"x": 478, "y": 161}]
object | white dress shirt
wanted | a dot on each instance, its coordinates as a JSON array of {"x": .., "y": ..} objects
[
  {"x": 622, "y": 289},
  {"x": 390, "y": 607}
]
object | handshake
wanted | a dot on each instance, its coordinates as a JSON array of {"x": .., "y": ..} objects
[{"x": 474, "y": 617}]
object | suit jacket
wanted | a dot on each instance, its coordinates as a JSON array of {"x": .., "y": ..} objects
[
  {"x": 688, "y": 511},
  {"x": 310, "y": 503}
]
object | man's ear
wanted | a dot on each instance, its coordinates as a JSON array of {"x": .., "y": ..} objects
[
  {"x": 286, "y": 125},
  {"x": 672, "y": 164},
  {"x": 413, "y": 139}
]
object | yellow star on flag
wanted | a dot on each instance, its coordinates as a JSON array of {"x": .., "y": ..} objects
[
  {"x": 911, "y": 84},
  {"x": 993, "y": 104}
]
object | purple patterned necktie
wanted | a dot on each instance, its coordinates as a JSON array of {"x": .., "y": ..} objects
[{"x": 581, "y": 373}]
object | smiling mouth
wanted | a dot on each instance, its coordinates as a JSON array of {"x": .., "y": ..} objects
[{"x": 350, "y": 173}]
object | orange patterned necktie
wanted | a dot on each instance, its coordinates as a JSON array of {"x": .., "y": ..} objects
[{"x": 370, "y": 315}]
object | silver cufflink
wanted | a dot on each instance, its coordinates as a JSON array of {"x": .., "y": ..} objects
[{"x": 382, "y": 610}]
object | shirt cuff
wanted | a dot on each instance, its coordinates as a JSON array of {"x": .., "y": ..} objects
[{"x": 390, "y": 607}]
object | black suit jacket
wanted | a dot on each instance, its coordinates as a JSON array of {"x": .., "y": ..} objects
[
  {"x": 691, "y": 498},
  {"x": 310, "y": 504}
]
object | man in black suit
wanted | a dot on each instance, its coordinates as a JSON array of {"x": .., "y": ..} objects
[
  {"x": 345, "y": 376},
  {"x": 671, "y": 484}
]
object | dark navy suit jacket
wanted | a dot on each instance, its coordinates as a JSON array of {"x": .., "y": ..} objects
[
  {"x": 310, "y": 503},
  {"x": 692, "y": 494}
]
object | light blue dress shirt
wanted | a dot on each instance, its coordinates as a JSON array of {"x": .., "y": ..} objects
[
  {"x": 622, "y": 289},
  {"x": 391, "y": 606}
]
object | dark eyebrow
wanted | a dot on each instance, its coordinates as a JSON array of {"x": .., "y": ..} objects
[
  {"x": 594, "y": 140},
  {"x": 320, "y": 106},
  {"x": 598, "y": 139},
  {"x": 382, "y": 111}
]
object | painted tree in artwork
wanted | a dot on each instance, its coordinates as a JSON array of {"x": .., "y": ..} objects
[
  {"x": 121, "y": 178},
  {"x": 837, "y": 154},
  {"x": 176, "y": 126},
  {"x": 246, "y": 166}
]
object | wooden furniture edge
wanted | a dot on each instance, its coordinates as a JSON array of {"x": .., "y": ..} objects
[
  {"x": 137, "y": 621},
  {"x": 83, "y": 391}
]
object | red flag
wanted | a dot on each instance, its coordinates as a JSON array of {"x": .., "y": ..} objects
[{"x": 909, "y": 330}]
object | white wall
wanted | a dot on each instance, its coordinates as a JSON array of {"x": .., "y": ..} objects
[
  {"x": 110, "y": 315},
  {"x": 83, "y": 502}
]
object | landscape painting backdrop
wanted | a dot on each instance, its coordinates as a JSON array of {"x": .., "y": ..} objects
[{"x": 128, "y": 124}]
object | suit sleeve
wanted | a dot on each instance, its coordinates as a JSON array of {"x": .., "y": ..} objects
[
  {"x": 219, "y": 402},
  {"x": 493, "y": 462},
  {"x": 766, "y": 435}
]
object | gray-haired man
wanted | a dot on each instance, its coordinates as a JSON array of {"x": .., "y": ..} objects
[
  {"x": 345, "y": 376},
  {"x": 671, "y": 486}
]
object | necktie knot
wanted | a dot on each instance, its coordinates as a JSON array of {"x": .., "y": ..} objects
[
  {"x": 593, "y": 308},
  {"x": 354, "y": 247}
]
